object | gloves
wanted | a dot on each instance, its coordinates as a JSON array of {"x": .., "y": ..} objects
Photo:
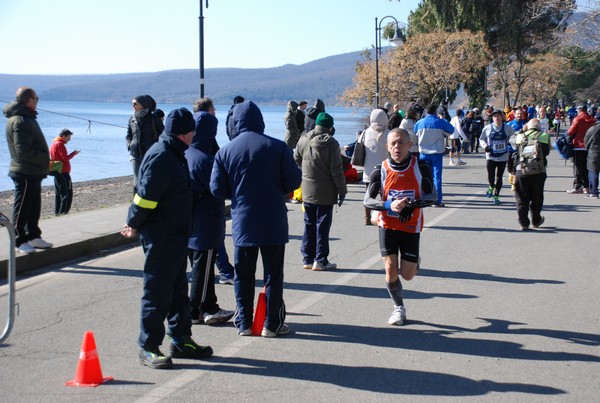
[
  {"x": 407, "y": 211},
  {"x": 488, "y": 149},
  {"x": 341, "y": 198}
]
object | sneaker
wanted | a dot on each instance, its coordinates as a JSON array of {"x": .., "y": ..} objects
[
  {"x": 155, "y": 359},
  {"x": 245, "y": 332},
  {"x": 283, "y": 330},
  {"x": 452, "y": 163},
  {"x": 326, "y": 265},
  {"x": 39, "y": 243},
  {"x": 489, "y": 192},
  {"x": 540, "y": 223},
  {"x": 575, "y": 191},
  {"x": 496, "y": 200},
  {"x": 591, "y": 196},
  {"x": 26, "y": 248},
  {"x": 219, "y": 317},
  {"x": 307, "y": 266},
  {"x": 196, "y": 320},
  {"x": 461, "y": 162},
  {"x": 189, "y": 349},
  {"x": 585, "y": 191},
  {"x": 398, "y": 316},
  {"x": 225, "y": 280}
]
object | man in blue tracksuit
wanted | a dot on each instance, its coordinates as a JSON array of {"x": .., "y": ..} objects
[
  {"x": 431, "y": 133},
  {"x": 255, "y": 171},
  {"x": 161, "y": 212}
]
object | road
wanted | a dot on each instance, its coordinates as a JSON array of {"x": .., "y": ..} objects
[{"x": 495, "y": 314}]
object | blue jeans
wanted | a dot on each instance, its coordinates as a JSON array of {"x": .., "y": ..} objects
[
  {"x": 435, "y": 162},
  {"x": 245, "y": 258},
  {"x": 317, "y": 223},
  {"x": 593, "y": 182}
]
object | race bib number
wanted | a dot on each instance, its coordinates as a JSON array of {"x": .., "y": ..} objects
[
  {"x": 498, "y": 146},
  {"x": 398, "y": 195}
]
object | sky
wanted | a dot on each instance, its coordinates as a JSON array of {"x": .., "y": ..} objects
[{"x": 116, "y": 36}]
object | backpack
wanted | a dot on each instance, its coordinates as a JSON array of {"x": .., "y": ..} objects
[
  {"x": 563, "y": 147},
  {"x": 530, "y": 154}
]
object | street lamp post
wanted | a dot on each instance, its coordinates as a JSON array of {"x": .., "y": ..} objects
[
  {"x": 201, "y": 35},
  {"x": 397, "y": 40}
]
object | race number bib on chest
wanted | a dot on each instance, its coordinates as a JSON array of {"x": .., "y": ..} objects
[{"x": 394, "y": 194}]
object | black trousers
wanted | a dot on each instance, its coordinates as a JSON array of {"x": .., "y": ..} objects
[
  {"x": 202, "y": 288},
  {"x": 580, "y": 172},
  {"x": 63, "y": 195},
  {"x": 27, "y": 207},
  {"x": 529, "y": 195},
  {"x": 495, "y": 170}
]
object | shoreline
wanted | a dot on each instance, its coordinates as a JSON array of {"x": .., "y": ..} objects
[{"x": 87, "y": 196}]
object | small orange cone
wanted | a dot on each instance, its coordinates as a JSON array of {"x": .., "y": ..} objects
[
  {"x": 88, "y": 371},
  {"x": 260, "y": 314}
]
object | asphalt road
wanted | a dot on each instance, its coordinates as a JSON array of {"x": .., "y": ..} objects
[{"x": 495, "y": 314}]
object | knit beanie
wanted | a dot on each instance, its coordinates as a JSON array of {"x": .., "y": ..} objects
[
  {"x": 324, "y": 119},
  {"x": 179, "y": 121}
]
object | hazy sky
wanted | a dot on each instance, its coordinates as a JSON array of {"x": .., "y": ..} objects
[{"x": 110, "y": 36}]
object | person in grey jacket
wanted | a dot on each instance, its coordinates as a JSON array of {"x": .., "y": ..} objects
[
  {"x": 323, "y": 185},
  {"x": 592, "y": 145},
  {"x": 29, "y": 164},
  {"x": 292, "y": 134}
]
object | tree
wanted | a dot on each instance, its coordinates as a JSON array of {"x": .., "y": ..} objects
[{"x": 414, "y": 71}]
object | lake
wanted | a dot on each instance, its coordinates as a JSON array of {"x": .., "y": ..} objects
[{"x": 99, "y": 131}]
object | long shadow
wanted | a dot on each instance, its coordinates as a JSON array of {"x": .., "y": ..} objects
[
  {"x": 466, "y": 275},
  {"x": 443, "y": 341},
  {"x": 373, "y": 379},
  {"x": 372, "y": 293},
  {"x": 499, "y": 326}
]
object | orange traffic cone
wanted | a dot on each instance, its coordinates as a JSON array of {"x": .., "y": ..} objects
[
  {"x": 260, "y": 314},
  {"x": 88, "y": 371}
]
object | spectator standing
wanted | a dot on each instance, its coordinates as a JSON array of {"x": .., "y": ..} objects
[
  {"x": 311, "y": 115},
  {"x": 408, "y": 124},
  {"x": 323, "y": 186},
  {"x": 29, "y": 164},
  {"x": 576, "y": 134},
  {"x": 494, "y": 140},
  {"x": 375, "y": 139},
  {"x": 161, "y": 213},
  {"x": 143, "y": 130},
  {"x": 395, "y": 117},
  {"x": 529, "y": 189},
  {"x": 208, "y": 229},
  {"x": 229, "y": 125},
  {"x": 476, "y": 128},
  {"x": 292, "y": 134},
  {"x": 399, "y": 190},
  {"x": 63, "y": 196},
  {"x": 255, "y": 171},
  {"x": 592, "y": 145},
  {"x": 456, "y": 138},
  {"x": 300, "y": 116},
  {"x": 431, "y": 132}
]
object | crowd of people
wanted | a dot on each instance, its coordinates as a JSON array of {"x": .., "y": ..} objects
[{"x": 182, "y": 178}]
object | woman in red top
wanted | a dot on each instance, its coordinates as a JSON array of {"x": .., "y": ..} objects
[{"x": 62, "y": 180}]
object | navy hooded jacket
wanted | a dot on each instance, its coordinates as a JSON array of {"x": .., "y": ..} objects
[
  {"x": 255, "y": 171},
  {"x": 208, "y": 228}
]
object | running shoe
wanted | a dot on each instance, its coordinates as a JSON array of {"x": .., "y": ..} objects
[
  {"x": 155, "y": 359},
  {"x": 326, "y": 265},
  {"x": 190, "y": 349},
  {"x": 398, "y": 316},
  {"x": 489, "y": 192},
  {"x": 496, "y": 200},
  {"x": 283, "y": 330},
  {"x": 220, "y": 316}
]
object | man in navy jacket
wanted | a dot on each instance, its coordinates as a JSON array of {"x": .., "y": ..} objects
[{"x": 255, "y": 171}]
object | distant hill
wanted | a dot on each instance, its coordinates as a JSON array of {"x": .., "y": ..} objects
[{"x": 325, "y": 78}]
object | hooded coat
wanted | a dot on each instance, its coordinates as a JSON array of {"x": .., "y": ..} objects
[
  {"x": 318, "y": 153},
  {"x": 144, "y": 128},
  {"x": 592, "y": 144},
  {"x": 255, "y": 171},
  {"x": 311, "y": 115},
  {"x": 208, "y": 228},
  {"x": 375, "y": 140},
  {"x": 29, "y": 154},
  {"x": 292, "y": 134}
]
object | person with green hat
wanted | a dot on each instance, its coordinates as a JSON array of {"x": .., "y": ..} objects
[{"x": 323, "y": 185}]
